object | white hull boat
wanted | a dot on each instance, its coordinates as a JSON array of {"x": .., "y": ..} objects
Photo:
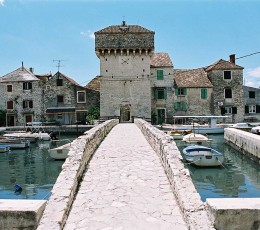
[
  {"x": 195, "y": 138},
  {"x": 61, "y": 152},
  {"x": 15, "y": 143},
  {"x": 203, "y": 156},
  {"x": 33, "y": 137}
]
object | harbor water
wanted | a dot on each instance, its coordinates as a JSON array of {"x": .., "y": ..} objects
[
  {"x": 238, "y": 177},
  {"x": 32, "y": 169}
]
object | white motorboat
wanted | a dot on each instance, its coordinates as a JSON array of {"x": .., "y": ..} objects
[
  {"x": 211, "y": 128},
  {"x": 60, "y": 152},
  {"x": 4, "y": 148},
  {"x": 15, "y": 143},
  {"x": 32, "y": 136},
  {"x": 195, "y": 138},
  {"x": 203, "y": 156},
  {"x": 178, "y": 134},
  {"x": 256, "y": 130}
]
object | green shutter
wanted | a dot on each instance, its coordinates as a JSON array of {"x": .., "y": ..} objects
[
  {"x": 176, "y": 106},
  {"x": 155, "y": 94},
  {"x": 184, "y": 91},
  {"x": 183, "y": 105},
  {"x": 204, "y": 94},
  {"x": 159, "y": 74},
  {"x": 165, "y": 93},
  {"x": 176, "y": 92}
]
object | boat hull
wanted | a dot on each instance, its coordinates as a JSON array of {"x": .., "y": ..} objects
[
  {"x": 60, "y": 153},
  {"x": 202, "y": 156},
  {"x": 4, "y": 148}
]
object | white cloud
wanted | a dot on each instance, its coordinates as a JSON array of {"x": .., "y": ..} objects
[
  {"x": 252, "y": 77},
  {"x": 2, "y": 2},
  {"x": 88, "y": 33}
]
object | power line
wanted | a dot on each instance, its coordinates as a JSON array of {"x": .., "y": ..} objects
[{"x": 248, "y": 55}]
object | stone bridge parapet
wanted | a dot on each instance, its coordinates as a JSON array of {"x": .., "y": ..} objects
[
  {"x": 194, "y": 210},
  {"x": 65, "y": 188}
]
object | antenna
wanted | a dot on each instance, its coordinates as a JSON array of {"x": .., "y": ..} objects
[{"x": 58, "y": 63}]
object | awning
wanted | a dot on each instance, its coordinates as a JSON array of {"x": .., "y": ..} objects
[{"x": 60, "y": 110}]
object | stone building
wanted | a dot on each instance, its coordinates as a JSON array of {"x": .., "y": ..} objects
[
  {"x": 227, "y": 80},
  {"x": 125, "y": 56},
  {"x": 21, "y": 97},
  {"x": 193, "y": 93},
  {"x": 252, "y": 103},
  {"x": 66, "y": 102}
]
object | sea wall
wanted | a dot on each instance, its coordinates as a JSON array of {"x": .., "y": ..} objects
[
  {"x": 194, "y": 210},
  {"x": 247, "y": 143},
  {"x": 20, "y": 214},
  {"x": 64, "y": 190}
]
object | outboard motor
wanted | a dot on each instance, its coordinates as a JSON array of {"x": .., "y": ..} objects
[{"x": 53, "y": 135}]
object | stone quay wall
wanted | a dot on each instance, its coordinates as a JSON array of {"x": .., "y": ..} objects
[
  {"x": 247, "y": 143},
  {"x": 65, "y": 188},
  {"x": 193, "y": 209}
]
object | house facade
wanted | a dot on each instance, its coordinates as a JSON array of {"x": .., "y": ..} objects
[
  {"x": 21, "y": 96},
  {"x": 252, "y": 103}
]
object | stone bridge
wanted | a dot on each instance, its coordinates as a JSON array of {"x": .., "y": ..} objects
[
  {"x": 123, "y": 185},
  {"x": 129, "y": 176}
]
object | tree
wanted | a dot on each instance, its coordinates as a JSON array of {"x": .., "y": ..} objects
[{"x": 93, "y": 114}]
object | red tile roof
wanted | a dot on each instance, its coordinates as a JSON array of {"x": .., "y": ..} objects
[
  {"x": 192, "y": 78},
  {"x": 223, "y": 65},
  {"x": 161, "y": 60},
  {"x": 94, "y": 84},
  {"x": 118, "y": 29}
]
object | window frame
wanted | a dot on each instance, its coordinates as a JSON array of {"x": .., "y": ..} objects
[
  {"x": 159, "y": 74},
  {"x": 59, "y": 82},
  {"x": 85, "y": 98},
  {"x": 226, "y": 93},
  {"x": 228, "y": 110},
  {"x": 252, "y": 96},
  {"x": 156, "y": 93},
  {"x": 251, "y": 109},
  {"x": 59, "y": 97},
  {"x": 204, "y": 93},
  {"x": 27, "y": 104},
  {"x": 8, "y": 104},
  {"x": 224, "y": 77},
  {"x": 7, "y": 88}
]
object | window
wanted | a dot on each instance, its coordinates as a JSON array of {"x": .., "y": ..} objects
[
  {"x": 160, "y": 93},
  {"x": 60, "y": 98},
  {"x": 10, "y": 105},
  {"x": 159, "y": 74},
  {"x": 228, "y": 93},
  {"x": 227, "y": 75},
  {"x": 181, "y": 92},
  {"x": 59, "y": 82},
  {"x": 203, "y": 93},
  {"x": 251, "y": 94},
  {"x": 81, "y": 96},
  {"x": 9, "y": 88},
  {"x": 228, "y": 110},
  {"x": 27, "y": 85},
  {"x": 27, "y": 104},
  {"x": 252, "y": 109},
  {"x": 180, "y": 106}
]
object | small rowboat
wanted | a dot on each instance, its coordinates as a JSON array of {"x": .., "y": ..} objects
[
  {"x": 61, "y": 152},
  {"x": 4, "y": 148},
  {"x": 203, "y": 156}
]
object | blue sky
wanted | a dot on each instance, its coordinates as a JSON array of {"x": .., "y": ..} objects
[{"x": 195, "y": 33}]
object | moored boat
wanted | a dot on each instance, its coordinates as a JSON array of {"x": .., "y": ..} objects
[
  {"x": 203, "y": 156},
  {"x": 15, "y": 143},
  {"x": 61, "y": 152},
  {"x": 195, "y": 138},
  {"x": 4, "y": 148}
]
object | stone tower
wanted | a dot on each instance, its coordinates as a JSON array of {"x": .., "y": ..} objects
[{"x": 125, "y": 55}]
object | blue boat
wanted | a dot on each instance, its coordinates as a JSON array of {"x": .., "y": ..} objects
[
  {"x": 203, "y": 156},
  {"x": 4, "y": 148}
]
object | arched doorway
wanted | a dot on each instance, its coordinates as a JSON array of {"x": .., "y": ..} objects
[{"x": 125, "y": 112}]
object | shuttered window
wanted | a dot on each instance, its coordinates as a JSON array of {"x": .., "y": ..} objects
[
  {"x": 180, "y": 91},
  {"x": 10, "y": 105},
  {"x": 204, "y": 93},
  {"x": 159, "y": 74},
  {"x": 180, "y": 106},
  {"x": 9, "y": 88},
  {"x": 160, "y": 93}
]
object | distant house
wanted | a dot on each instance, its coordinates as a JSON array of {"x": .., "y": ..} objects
[
  {"x": 227, "y": 80},
  {"x": 67, "y": 102},
  {"x": 193, "y": 92},
  {"x": 21, "y": 97},
  {"x": 252, "y": 103}
]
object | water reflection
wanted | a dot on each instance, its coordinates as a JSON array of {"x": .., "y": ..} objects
[
  {"x": 32, "y": 169},
  {"x": 239, "y": 176}
]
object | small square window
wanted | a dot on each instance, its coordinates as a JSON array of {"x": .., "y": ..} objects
[
  {"x": 60, "y": 98},
  {"x": 227, "y": 75},
  {"x": 228, "y": 93},
  {"x": 251, "y": 94},
  {"x": 10, "y": 105},
  {"x": 59, "y": 82},
  {"x": 9, "y": 88},
  {"x": 81, "y": 97}
]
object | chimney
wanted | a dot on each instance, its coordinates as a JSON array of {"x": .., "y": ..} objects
[
  {"x": 31, "y": 69},
  {"x": 232, "y": 58}
]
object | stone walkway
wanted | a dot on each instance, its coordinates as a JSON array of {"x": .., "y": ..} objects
[{"x": 125, "y": 187}]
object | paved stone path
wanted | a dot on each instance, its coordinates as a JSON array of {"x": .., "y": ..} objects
[{"x": 125, "y": 187}]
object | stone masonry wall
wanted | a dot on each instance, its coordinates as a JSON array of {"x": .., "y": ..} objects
[
  {"x": 189, "y": 200},
  {"x": 65, "y": 188}
]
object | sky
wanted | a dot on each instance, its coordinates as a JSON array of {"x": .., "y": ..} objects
[{"x": 195, "y": 33}]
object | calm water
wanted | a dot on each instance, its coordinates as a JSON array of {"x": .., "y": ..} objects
[
  {"x": 240, "y": 176},
  {"x": 32, "y": 169}
]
